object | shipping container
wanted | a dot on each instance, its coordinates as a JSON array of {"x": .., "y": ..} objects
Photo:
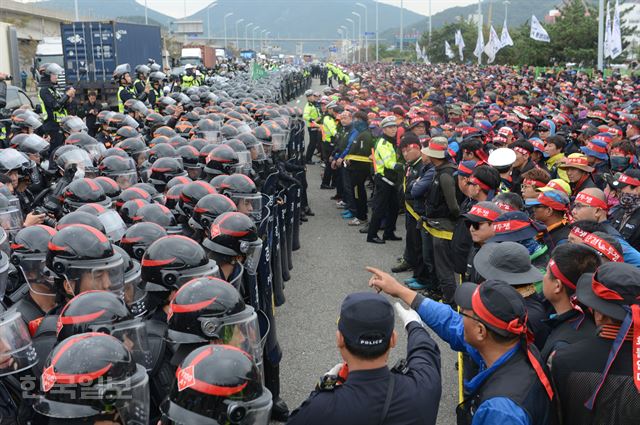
[{"x": 92, "y": 50}]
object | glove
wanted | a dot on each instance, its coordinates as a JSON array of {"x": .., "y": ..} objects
[
  {"x": 407, "y": 316},
  {"x": 334, "y": 377}
]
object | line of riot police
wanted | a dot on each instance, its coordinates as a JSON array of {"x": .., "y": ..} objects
[{"x": 140, "y": 268}]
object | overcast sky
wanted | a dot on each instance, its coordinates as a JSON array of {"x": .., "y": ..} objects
[{"x": 175, "y": 8}]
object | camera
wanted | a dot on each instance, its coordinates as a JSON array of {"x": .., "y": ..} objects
[{"x": 48, "y": 221}]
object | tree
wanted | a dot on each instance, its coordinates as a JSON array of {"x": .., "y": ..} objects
[{"x": 574, "y": 38}]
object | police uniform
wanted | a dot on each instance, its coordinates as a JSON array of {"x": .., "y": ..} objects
[
  {"x": 53, "y": 110},
  {"x": 124, "y": 93},
  {"x": 407, "y": 394}
]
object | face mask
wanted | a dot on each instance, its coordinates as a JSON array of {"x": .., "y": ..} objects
[
  {"x": 619, "y": 163},
  {"x": 629, "y": 201}
]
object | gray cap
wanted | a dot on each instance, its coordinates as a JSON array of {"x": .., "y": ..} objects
[
  {"x": 506, "y": 261},
  {"x": 388, "y": 122}
]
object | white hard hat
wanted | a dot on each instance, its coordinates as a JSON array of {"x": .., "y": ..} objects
[
  {"x": 502, "y": 157},
  {"x": 188, "y": 66}
]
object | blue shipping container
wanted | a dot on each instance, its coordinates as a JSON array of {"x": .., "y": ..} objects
[{"x": 92, "y": 50}]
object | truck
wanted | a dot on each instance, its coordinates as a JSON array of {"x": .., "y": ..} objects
[
  {"x": 9, "y": 60},
  {"x": 49, "y": 50},
  {"x": 92, "y": 50},
  {"x": 198, "y": 55}
]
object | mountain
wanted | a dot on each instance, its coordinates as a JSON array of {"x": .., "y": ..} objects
[
  {"x": 284, "y": 18},
  {"x": 519, "y": 12},
  {"x": 122, "y": 10}
]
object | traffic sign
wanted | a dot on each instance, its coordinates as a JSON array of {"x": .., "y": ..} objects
[{"x": 369, "y": 33}]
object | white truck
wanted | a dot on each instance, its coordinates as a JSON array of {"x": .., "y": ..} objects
[
  {"x": 49, "y": 50},
  {"x": 9, "y": 61}
]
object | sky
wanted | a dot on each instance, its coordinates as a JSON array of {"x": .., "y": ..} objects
[{"x": 175, "y": 8}]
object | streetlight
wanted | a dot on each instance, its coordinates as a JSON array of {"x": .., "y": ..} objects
[
  {"x": 366, "y": 30},
  {"x": 401, "y": 25},
  {"x": 263, "y": 32},
  {"x": 601, "y": 35},
  {"x": 211, "y": 6},
  {"x": 266, "y": 41},
  {"x": 353, "y": 34},
  {"x": 253, "y": 36},
  {"x": 344, "y": 43},
  {"x": 377, "y": 31},
  {"x": 359, "y": 34},
  {"x": 237, "y": 40},
  {"x": 246, "y": 39},
  {"x": 225, "y": 28}
]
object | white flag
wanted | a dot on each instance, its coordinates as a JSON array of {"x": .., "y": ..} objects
[
  {"x": 447, "y": 50},
  {"x": 493, "y": 46},
  {"x": 477, "y": 52},
  {"x": 505, "y": 38},
  {"x": 460, "y": 43},
  {"x": 537, "y": 32},
  {"x": 607, "y": 34},
  {"x": 418, "y": 51},
  {"x": 425, "y": 58},
  {"x": 616, "y": 34}
]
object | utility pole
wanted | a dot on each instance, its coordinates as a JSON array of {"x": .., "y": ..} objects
[
  {"x": 146, "y": 16},
  {"x": 401, "y": 25},
  {"x": 377, "y": 31},
  {"x": 479, "y": 27},
  {"x": 366, "y": 29},
  {"x": 226, "y": 42},
  {"x": 601, "y": 35},
  {"x": 429, "y": 22},
  {"x": 75, "y": 5}
]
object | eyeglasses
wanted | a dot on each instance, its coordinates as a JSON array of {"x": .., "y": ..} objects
[
  {"x": 577, "y": 206},
  {"x": 461, "y": 313}
]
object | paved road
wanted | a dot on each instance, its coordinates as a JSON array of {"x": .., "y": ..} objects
[{"x": 329, "y": 266}]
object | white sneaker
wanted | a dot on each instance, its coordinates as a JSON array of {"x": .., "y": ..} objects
[
  {"x": 341, "y": 205},
  {"x": 356, "y": 222}
]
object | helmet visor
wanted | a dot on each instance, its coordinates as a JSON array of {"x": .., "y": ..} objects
[
  {"x": 127, "y": 179},
  {"x": 243, "y": 128},
  {"x": 131, "y": 401},
  {"x": 96, "y": 275},
  {"x": 183, "y": 276},
  {"x": 16, "y": 351},
  {"x": 78, "y": 157},
  {"x": 278, "y": 142},
  {"x": 133, "y": 334},
  {"x": 252, "y": 252},
  {"x": 95, "y": 151},
  {"x": 211, "y": 136},
  {"x": 11, "y": 219},
  {"x": 244, "y": 159},
  {"x": 34, "y": 273},
  {"x": 113, "y": 224},
  {"x": 249, "y": 204},
  {"x": 257, "y": 153}
]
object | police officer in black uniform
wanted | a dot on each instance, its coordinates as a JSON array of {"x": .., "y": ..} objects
[
  {"x": 363, "y": 390},
  {"x": 54, "y": 106}
]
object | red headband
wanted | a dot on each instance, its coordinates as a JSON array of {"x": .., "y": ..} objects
[
  {"x": 517, "y": 326},
  {"x": 437, "y": 147},
  {"x": 532, "y": 182},
  {"x": 579, "y": 161},
  {"x": 632, "y": 320},
  {"x": 555, "y": 271},
  {"x": 510, "y": 226},
  {"x": 483, "y": 186},
  {"x": 599, "y": 244},
  {"x": 505, "y": 207},
  {"x": 484, "y": 213},
  {"x": 629, "y": 180},
  {"x": 463, "y": 168},
  {"x": 592, "y": 201},
  {"x": 520, "y": 150}
]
